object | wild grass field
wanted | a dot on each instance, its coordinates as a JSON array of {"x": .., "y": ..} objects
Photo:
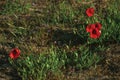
[{"x": 59, "y": 40}]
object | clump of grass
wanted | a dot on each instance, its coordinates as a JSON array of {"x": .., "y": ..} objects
[
  {"x": 61, "y": 13},
  {"x": 36, "y": 67},
  {"x": 83, "y": 58},
  {"x": 109, "y": 20},
  {"x": 15, "y": 7}
]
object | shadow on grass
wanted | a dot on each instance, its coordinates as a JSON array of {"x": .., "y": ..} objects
[
  {"x": 3, "y": 56},
  {"x": 64, "y": 37}
]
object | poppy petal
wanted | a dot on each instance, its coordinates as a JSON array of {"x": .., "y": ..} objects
[
  {"x": 95, "y": 33},
  {"x": 98, "y": 26}
]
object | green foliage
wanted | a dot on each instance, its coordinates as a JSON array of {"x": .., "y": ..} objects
[
  {"x": 82, "y": 58},
  {"x": 36, "y": 67},
  {"x": 61, "y": 13},
  {"x": 66, "y": 13},
  {"x": 110, "y": 22},
  {"x": 59, "y": 19},
  {"x": 15, "y": 7}
]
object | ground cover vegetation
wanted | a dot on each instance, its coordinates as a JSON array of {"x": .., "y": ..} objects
[{"x": 60, "y": 39}]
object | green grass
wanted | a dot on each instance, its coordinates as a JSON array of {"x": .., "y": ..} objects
[
  {"x": 60, "y": 25},
  {"x": 37, "y": 67},
  {"x": 15, "y": 7}
]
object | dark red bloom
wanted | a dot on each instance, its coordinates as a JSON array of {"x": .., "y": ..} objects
[
  {"x": 94, "y": 30},
  {"x": 98, "y": 26},
  {"x": 14, "y": 53},
  {"x": 90, "y": 12},
  {"x": 90, "y": 27},
  {"x": 95, "y": 33}
]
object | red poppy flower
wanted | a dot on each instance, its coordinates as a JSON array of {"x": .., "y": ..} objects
[
  {"x": 90, "y": 12},
  {"x": 95, "y": 33},
  {"x": 14, "y": 53},
  {"x": 94, "y": 29}
]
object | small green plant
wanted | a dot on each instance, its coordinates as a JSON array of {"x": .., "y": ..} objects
[
  {"x": 88, "y": 58},
  {"x": 82, "y": 58}
]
